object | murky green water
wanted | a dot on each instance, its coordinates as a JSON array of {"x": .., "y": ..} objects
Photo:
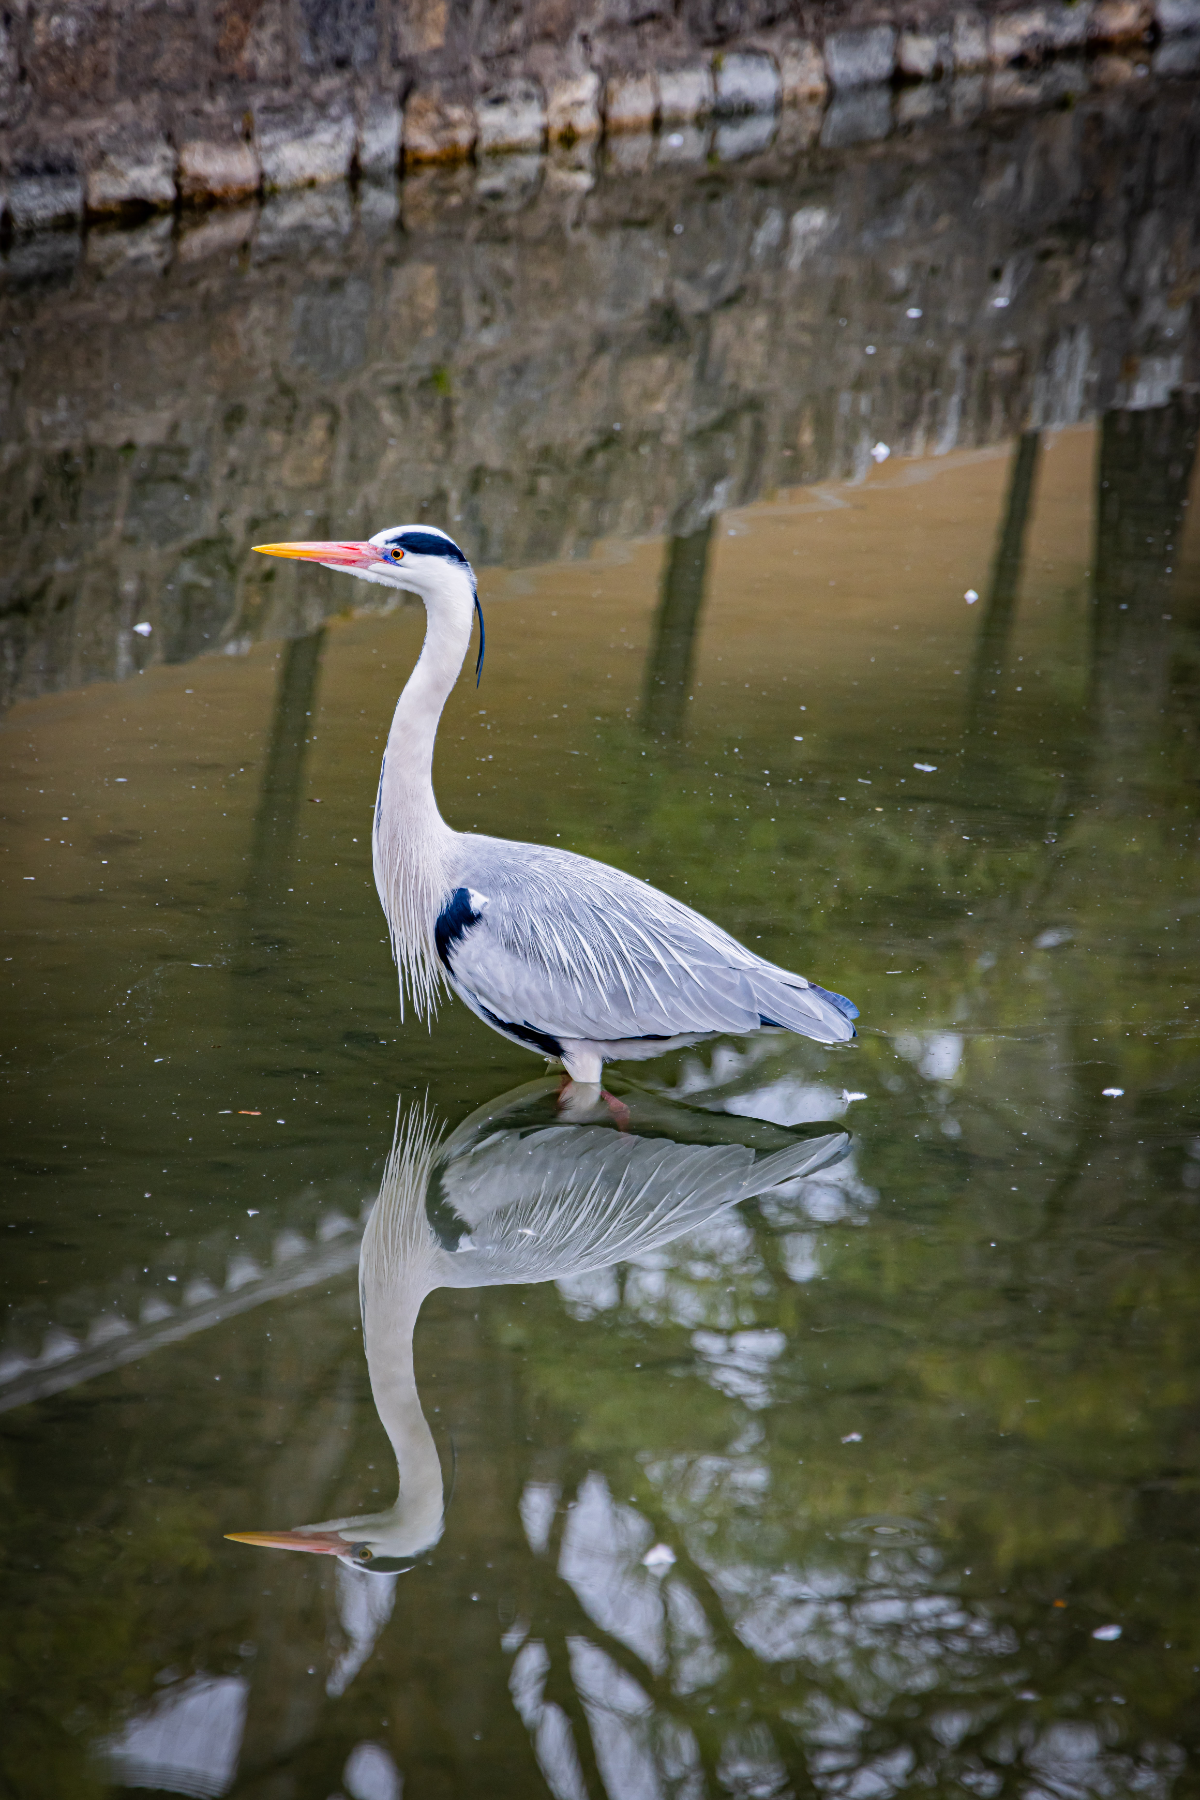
[{"x": 880, "y": 1478}]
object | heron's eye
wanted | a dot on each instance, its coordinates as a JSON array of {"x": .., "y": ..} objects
[
  {"x": 396, "y": 555},
  {"x": 362, "y": 1553}
]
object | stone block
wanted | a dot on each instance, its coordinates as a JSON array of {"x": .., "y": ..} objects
[
  {"x": 431, "y": 191},
  {"x": 69, "y": 52},
  {"x": 630, "y": 152},
  {"x": 802, "y": 73},
  {"x": 10, "y": 72},
  {"x": 1120, "y": 21},
  {"x": 799, "y": 127},
  {"x": 342, "y": 35},
  {"x": 38, "y": 201},
  {"x": 969, "y": 41},
  {"x": 437, "y": 129},
  {"x": 685, "y": 93},
  {"x": 156, "y": 51},
  {"x": 746, "y": 81},
  {"x": 251, "y": 38},
  {"x": 571, "y": 166},
  {"x": 44, "y": 256},
  {"x": 511, "y": 116},
  {"x": 968, "y": 98},
  {"x": 295, "y": 222},
  {"x": 918, "y": 105},
  {"x": 420, "y": 27},
  {"x": 1110, "y": 71},
  {"x": 1037, "y": 31},
  {"x": 749, "y": 134},
  {"x": 221, "y": 233},
  {"x": 924, "y": 54},
  {"x": 380, "y": 123},
  {"x": 304, "y": 145},
  {"x": 858, "y": 59},
  {"x": 630, "y": 102},
  {"x": 682, "y": 145},
  {"x": 1177, "y": 57},
  {"x": 507, "y": 182},
  {"x": 1176, "y": 16},
  {"x": 1038, "y": 87},
  {"x": 573, "y": 107},
  {"x": 120, "y": 251},
  {"x": 378, "y": 204},
  {"x": 1018, "y": 36},
  {"x": 210, "y": 169},
  {"x": 131, "y": 176},
  {"x": 1067, "y": 27},
  {"x": 862, "y": 116}
]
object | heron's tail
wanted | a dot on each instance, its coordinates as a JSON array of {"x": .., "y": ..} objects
[
  {"x": 807, "y": 1158},
  {"x": 812, "y": 1011}
]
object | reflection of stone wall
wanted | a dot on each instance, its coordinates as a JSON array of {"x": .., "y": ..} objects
[{"x": 538, "y": 360}]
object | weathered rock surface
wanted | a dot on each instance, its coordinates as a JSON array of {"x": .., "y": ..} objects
[
  {"x": 167, "y": 403},
  {"x": 109, "y": 98}
]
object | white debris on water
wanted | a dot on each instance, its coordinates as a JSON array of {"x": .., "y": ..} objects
[
  {"x": 1112, "y": 1093},
  {"x": 881, "y": 452},
  {"x": 926, "y": 768},
  {"x": 970, "y": 596},
  {"x": 852, "y": 1437},
  {"x": 658, "y": 1559},
  {"x": 913, "y": 312},
  {"x": 1107, "y": 1633},
  {"x": 144, "y": 629}
]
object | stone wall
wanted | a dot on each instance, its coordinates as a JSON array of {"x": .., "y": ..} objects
[
  {"x": 546, "y": 358},
  {"x": 111, "y": 106}
]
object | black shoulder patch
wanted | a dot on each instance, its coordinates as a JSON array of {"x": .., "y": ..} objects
[
  {"x": 525, "y": 1033},
  {"x": 427, "y": 543},
  {"x": 456, "y": 917}
]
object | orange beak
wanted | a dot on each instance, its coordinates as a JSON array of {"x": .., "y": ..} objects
[
  {"x": 335, "y": 555},
  {"x": 323, "y": 1543}
]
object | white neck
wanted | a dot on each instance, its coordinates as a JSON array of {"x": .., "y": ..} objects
[
  {"x": 412, "y": 843},
  {"x": 395, "y": 1274},
  {"x": 388, "y": 1341}
]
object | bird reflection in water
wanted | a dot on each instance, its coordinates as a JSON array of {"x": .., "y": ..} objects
[{"x": 517, "y": 1194}]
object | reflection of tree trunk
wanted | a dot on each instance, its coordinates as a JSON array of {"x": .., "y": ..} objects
[
  {"x": 275, "y": 823},
  {"x": 1144, "y": 470},
  {"x": 681, "y": 600},
  {"x": 1000, "y": 609}
]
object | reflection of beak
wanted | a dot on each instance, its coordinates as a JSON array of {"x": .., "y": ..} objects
[
  {"x": 342, "y": 556},
  {"x": 325, "y": 1543}
]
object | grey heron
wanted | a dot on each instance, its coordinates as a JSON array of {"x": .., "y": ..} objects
[
  {"x": 557, "y": 952},
  {"x": 516, "y": 1195}
]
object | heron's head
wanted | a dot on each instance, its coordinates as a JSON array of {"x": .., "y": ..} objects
[
  {"x": 415, "y": 557},
  {"x": 380, "y": 1543},
  {"x": 421, "y": 559}
]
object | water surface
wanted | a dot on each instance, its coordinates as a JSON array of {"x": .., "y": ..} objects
[{"x": 884, "y": 1479}]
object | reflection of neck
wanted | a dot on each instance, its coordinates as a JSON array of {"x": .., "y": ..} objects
[
  {"x": 395, "y": 1274},
  {"x": 389, "y": 1320},
  {"x": 412, "y": 841}
]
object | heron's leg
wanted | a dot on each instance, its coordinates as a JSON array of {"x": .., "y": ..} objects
[
  {"x": 578, "y": 1100},
  {"x": 617, "y": 1108}
]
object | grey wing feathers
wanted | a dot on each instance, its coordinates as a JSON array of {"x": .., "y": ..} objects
[
  {"x": 567, "y": 1199},
  {"x": 580, "y": 950}
]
